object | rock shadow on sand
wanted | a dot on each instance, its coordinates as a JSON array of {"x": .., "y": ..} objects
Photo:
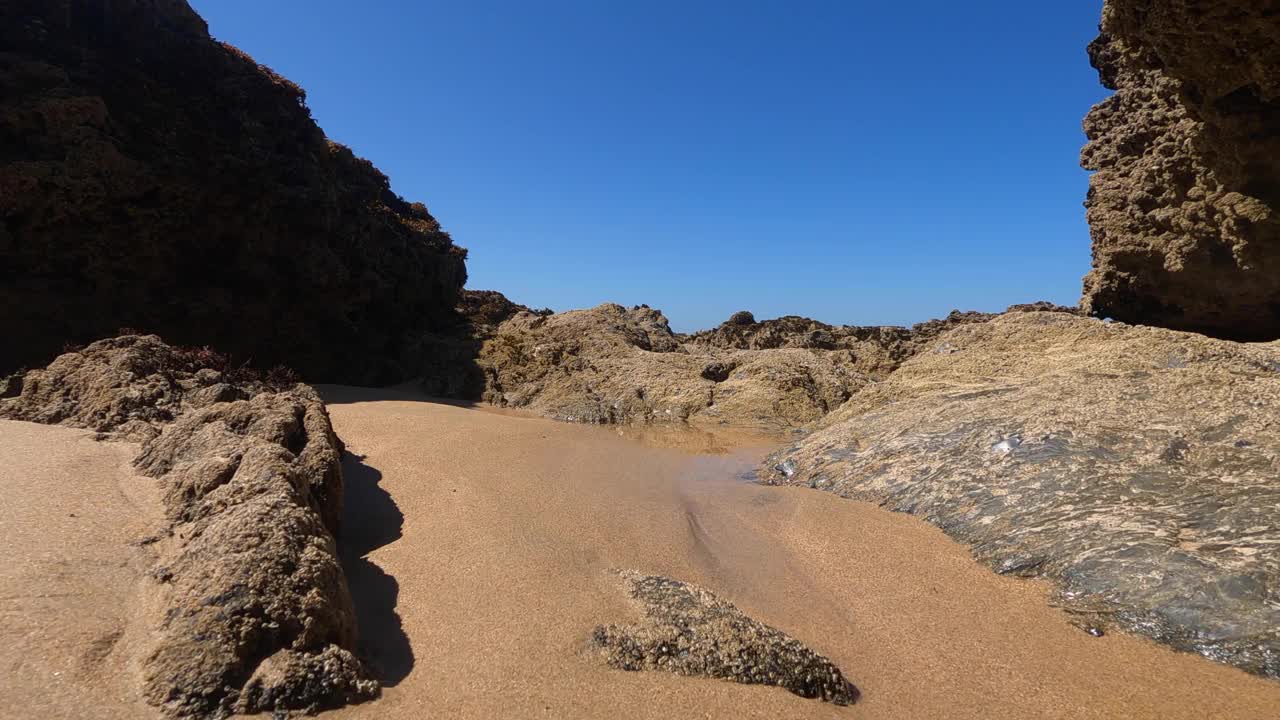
[{"x": 371, "y": 520}]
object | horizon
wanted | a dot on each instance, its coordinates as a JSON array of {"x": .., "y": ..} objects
[{"x": 742, "y": 158}]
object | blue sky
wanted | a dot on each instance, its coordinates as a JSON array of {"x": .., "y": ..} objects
[{"x": 855, "y": 162}]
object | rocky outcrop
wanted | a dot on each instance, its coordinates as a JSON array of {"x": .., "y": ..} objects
[
  {"x": 872, "y": 350},
  {"x": 249, "y": 610},
  {"x": 154, "y": 178},
  {"x": 689, "y": 631},
  {"x": 875, "y": 350},
  {"x": 486, "y": 309},
  {"x": 1184, "y": 203},
  {"x": 1136, "y": 467},
  {"x": 611, "y": 364}
]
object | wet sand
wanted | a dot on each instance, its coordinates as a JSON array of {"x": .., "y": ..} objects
[
  {"x": 479, "y": 547},
  {"x": 480, "y": 544}
]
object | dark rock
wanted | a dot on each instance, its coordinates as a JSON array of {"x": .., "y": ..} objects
[
  {"x": 1063, "y": 447},
  {"x": 718, "y": 371},
  {"x": 489, "y": 308},
  {"x": 689, "y": 631},
  {"x": 153, "y": 177},
  {"x": 1184, "y": 203}
]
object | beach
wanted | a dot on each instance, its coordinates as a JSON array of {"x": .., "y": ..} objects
[{"x": 482, "y": 549}]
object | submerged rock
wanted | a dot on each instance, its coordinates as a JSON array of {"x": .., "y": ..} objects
[
  {"x": 250, "y": 610},
  {"x": 689, "y": 631},
  {"x": 1135, "y": 467},
  {"x": 1184, "y": 202}
]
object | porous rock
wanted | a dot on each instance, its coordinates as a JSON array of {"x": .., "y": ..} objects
[
  {"x": 690, "y": 631},
  {"x": 152, "y": 177},
  {"x": 612, "y": 364},
  {"x": 250, "y": 610},
  {"x": 1135, "y": 467},
  {"x": 1184, "y": 202}
]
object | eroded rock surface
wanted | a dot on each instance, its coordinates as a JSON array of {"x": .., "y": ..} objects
[
  {"x": 1134, "y": 466},
  {"x": 154, "y": 178},
  {"x": 1184, "y": 201},
  {"x": 689, "y": 631},
  {"x": 612, "y": 364},
  {"x": 249, "y": 610}
]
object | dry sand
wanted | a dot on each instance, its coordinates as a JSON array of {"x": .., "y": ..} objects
[
  {"x": 479, "y": 544},
  {"x": 487, "y": 541},
  {"x": 71, "y": 512}
]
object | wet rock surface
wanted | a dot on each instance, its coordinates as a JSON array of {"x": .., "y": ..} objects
[
  {"x": 690, "y": 631},
  {"x": 1136, "y": 467},
  {"x": 152, "y": 177},
  {"x": 1184, "y": 200},
  {"x": 249, "y": 610}
]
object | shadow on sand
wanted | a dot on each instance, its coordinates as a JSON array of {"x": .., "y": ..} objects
[{"x": 370, "y": 520}]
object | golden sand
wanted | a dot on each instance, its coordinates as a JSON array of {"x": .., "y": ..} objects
[{"x": 479, "y": 547}]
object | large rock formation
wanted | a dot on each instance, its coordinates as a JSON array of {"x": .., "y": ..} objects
[
  {"x": 687, "y": 630},
  {"x": 154, "y": 178},
  {"x": 612, "y": 364},
  {"x": 1134, "y": 466},
  {"x": 1184, "y": 204},
  {"x": 249, "y": 610}
]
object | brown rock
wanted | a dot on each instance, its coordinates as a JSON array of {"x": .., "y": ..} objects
[
  {"x": 251, "y": 609},
  {"x": 489, "y": 308},
  {"x": 611, "y": 364},
  {"x": 1183, "y": 204},
  {"x": 875, "y": 350},
  {"x": 689, "y": 631},
  {"x": 155, "y": 178},
  {"x": 1133, "y": 466},
  {"x": 614, "y": 365}
]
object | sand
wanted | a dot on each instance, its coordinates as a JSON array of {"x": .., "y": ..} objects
[
  {"x": 479, "y": 546},
  {"x": 70, "y": 515},
  {"x": 482, "y": 543}
]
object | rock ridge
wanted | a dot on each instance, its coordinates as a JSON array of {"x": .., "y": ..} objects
[{"x": 248, "y": 608}]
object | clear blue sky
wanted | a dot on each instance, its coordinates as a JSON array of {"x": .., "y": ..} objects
[{"x": 856, "y": 162}]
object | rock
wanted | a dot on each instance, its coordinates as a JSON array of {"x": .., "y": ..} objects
[
  {"x": 1184, "y": 200},
  {"x": 155, "y": 178},
  {"x": 250, "y": 611},
  {"x": 874, "y": 350},
  {"x": 611, "y": 364},
  {"x": 689, "y": 631},
  {"x": 489, "y": 308},
  {"x": 1135, "y": 467},
  {"x": 130, "y": 386}
]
